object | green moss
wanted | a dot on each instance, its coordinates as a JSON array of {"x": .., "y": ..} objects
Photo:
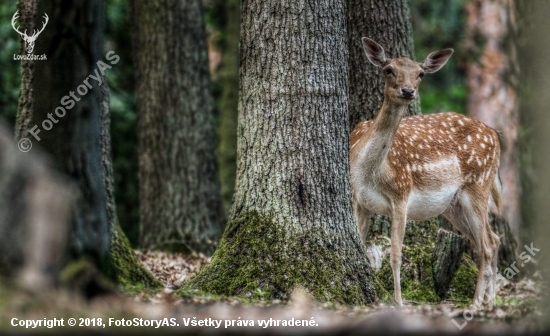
[
  {"x": 122, "y": 267},
  {"x": 260, "y": 259},
  {"x": 416, "y": 275},
  {"x": 74, "y": 269},
  {"x": 417, "y": 282},
  {"x": 464, "y": 282}
]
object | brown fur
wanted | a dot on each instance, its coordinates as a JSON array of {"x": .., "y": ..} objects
[
  {"x": 422, "y": 139},
  {"x": 420, "y": 166}
]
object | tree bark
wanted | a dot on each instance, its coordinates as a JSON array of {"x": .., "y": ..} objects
[
  {"x": 72, "y": 42},
  {"x": 292, "y": 221},
  {"x": 389, "y": 24},
  {"x": 229, "y": 104},
  {"x": 447, "y": 257},
  {"x": 79, "y": 141},
  {"x": 27, "y": 17},
  {"x": 492, "y": 79},
  {"x": 121, "y": 264},
  {"x": 180, "y": 200}
]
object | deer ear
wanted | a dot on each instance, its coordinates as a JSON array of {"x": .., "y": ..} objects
[
  {"x": 375, "y": 53},
  {"x": 436, "y": 60}
]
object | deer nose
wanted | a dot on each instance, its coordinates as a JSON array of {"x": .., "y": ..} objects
[{"x": 407, "y": 93}]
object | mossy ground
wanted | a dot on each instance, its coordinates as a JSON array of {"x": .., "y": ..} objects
[
  {"x": 417, "y": 283},
  {"x": 260, "y": 259}
]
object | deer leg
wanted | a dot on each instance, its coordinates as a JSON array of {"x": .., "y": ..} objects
[
  {"x": 488, "y": 251},
  {"x": 455, "y": 214},
  {"x": 495, "y": 244},
  {"x": 362, "y": 217},
  {"x": 472, "y": 221},
  {"x": 399, "y": 220},
  {"x": 478, "y": 222}
]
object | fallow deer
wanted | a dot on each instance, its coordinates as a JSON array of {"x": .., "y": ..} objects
[{"x": 420, "y": 166}]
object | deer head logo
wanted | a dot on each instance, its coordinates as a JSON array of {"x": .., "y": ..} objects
[{"x": 29, "y": 40}]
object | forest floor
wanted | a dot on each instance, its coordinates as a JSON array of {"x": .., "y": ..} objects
[{"x": 516, "y": 309}]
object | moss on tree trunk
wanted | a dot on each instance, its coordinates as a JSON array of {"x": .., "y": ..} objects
[
  {"x": 122, "y": 267},
  {"x": 259, "y": 258},
  {"x": 417, "y": 277}
]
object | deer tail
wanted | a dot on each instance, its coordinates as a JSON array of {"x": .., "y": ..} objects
[{"x": 496, "y": 193}]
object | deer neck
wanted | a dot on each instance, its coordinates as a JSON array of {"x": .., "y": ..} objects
[{"x": 381, "y": 136}]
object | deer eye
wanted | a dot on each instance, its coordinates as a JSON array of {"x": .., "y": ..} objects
[
  {"x": 388, "y": 71},
  {"x": 420, "y": 75}
]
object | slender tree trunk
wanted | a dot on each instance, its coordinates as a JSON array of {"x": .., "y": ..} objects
[
  {"x": 389, "y": 24},
  {"x": 180, "y": 200},
  {"x": 27, "y": 17},
  {"x": 229, "y": 104},
  {"x": 121, "y": 265},
  {"x": 72, "y": 42},
  {"x": 492, "y": 79},
  {"x": 292, "y": 221}
]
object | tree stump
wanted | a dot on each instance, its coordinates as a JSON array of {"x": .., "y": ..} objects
[
  {"x": 507, "y": 249},
  {"x": 447, "y": 256}
]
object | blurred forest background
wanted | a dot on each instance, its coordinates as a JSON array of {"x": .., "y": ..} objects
[{"x": 436, "y": 25}]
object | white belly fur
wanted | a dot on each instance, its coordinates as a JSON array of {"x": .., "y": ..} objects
[
  {"x": 421, "y": 204},
  {"x": 376, "y": 202},
  {"x": 427, "y": 204}
]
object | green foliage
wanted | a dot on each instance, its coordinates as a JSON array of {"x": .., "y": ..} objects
[
  {"x": 10, "y": 69},
  {"x": 438, "y": 25},
  {"x": 123, "y": 118},
  {"x": 260, "y": 259}
]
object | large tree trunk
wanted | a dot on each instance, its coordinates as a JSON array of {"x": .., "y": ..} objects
[
  {"x": 72, "y": 42},
  {"x": 492, "y": 79},
  {"x": 79, "y": 141},
  {"x": 229, "y": 104},
  {"x": 292, "y": 221},
  {"x": 180, "y": 200},
  {"x": 389, "y": 24}
]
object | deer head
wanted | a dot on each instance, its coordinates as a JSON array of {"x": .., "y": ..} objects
[
  {"x": 29, "y": 40},
  {"x": 402, "y": 74}
]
